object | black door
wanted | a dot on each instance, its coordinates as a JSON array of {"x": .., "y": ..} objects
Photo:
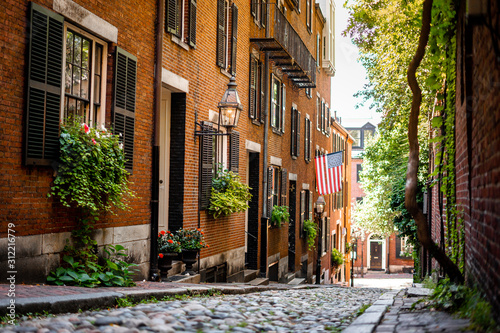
[
  {"x": 253, "y": 211},
  {"x": 292, "y": 232},
  {"x": 375, "y": 255}
]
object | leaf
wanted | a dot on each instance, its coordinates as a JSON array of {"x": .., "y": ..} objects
[{"x": 437, "y": 122}]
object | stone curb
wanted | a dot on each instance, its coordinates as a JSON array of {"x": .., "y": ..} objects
[
  {"x": 76, "y": 302},
  {"x": 368, "y": 321}
]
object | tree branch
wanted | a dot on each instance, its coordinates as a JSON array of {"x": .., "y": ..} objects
[{"x": 411, "y": 174}]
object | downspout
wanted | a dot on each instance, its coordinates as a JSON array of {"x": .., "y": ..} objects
[{"x": 153, "y": 258}]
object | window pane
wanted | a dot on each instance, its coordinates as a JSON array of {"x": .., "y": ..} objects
[
  {"x": 98, "y": 59},
  {"x": 85, "y": 83},
  {"x": 67, "y": 79},
  {"x": 77, "y": 77},
  {"x": 77, "y": 60},
  {"x": 97, "y": 90},
  {"x": 85, "y": 53},
  {"x": 356, "y": 134},
  {"x": 69, "y": 46}
]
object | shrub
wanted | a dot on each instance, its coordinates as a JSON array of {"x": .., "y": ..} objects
[
  {"x": 279, "y": 215},
  {"x": 310, "y": 231},
  {"x": 337, "y": 259}
]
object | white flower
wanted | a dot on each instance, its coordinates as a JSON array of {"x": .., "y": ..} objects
[
  {"x": 103, "y": 128},
  {"x": 120, "y": 145},
  {"x": 97, "y": 134},
  {"x": 121, "y": 135}
]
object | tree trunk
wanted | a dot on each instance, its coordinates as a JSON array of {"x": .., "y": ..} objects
[{"x": 411, "y": 174}]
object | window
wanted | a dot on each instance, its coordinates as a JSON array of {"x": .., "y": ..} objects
[
  {"x": 67, "y": 77},
  {"x": 356, "y": 134},
  {"x": 318, "y": 50},
  {"x": 324, "y": 233},
  {"x": 309, "y": 9},
  {"x": 178, "y": 17},
  {"x": 259, "y": 11},
  {"x": 306, "y": 209},
  {"x": 307, "y": 140},
  {"x": 318, "y": 113},
  {"x": 276, "y": 187},
  {"x": 295, "y": 131},
  {"x": 227, "y": 35},
  {"x": 84, "y": 77},
  {"x": 256, "y": 89},
  {"x": 359, "y": 168},
  {"x": 404, "y": 249},
  {"x": 278, "y": 101}
]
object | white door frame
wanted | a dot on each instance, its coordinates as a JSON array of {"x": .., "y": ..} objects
[
  {"x": 165, "y": 112},
  {"x": 368, "y": 250}
]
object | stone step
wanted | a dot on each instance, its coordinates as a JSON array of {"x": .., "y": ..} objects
[
  {"x": 297, "y": 281},
  {"x": 250, "y": 274},
  {"x": 259, "y": 282}
]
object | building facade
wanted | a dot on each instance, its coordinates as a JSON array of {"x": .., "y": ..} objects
[{"x": 158, "y": 75}]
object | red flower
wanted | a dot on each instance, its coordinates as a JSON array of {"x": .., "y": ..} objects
[
  {"x": 202, "y": 233},
  {"x": 201, "y": 243},
  {"x": 198, "y": 229},
  {"x": 168, "y": 232},
  {"x": 207, "y": 245},
  {"x": 93, "y": 140},
  {"x": 160, "y": 255},
  {"x": 170, "y": 241},
  {"x": 162, "y": 232},
  {"x": 159, "y": 235},
  {"x": 86, "y": 129}
]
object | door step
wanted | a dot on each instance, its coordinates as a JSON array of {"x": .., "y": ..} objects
[
  {"x": 259, "y": 282},
  {"x": 297, "y": 281},
  {"x": 250, "y": 274}
]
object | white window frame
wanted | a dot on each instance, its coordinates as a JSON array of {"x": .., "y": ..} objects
[{"x": 101, "y": 116}]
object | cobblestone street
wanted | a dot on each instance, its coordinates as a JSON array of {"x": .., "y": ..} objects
[{"x": 297, "y": 310}]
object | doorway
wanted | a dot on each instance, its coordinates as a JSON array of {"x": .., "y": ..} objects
[
  {"x": 164, "y": 181},
  {"x": 252, "y": 225},
  {"x": 376, "y": 255},
  {"x": 291, "y": 226}
]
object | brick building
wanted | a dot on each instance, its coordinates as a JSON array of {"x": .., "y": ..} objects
[
  {"x": 372, "y": 251},
  {"x": 477, "y": 142},
  {"x": 282, "y": 58}
]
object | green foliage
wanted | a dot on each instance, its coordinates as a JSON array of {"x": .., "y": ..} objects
[
  {"x": 362, "y": 309},
  {"x": 337, "y": 258},
  {"x": 279, "y": 215},
  {"x": 168, "y": 242},
  {"x": 404, "y": 223},
  {"x": 311, "y": 231},
  {"x": 229, "y": 195},
  {"x": 191, "y": 239},
  {"x": 91, "y": 174},
  {"x": 114, "y": 272},
  {"x": 466, "y": 302}
]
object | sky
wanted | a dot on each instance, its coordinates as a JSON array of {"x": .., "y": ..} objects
[{"x": 350, "y": 75}]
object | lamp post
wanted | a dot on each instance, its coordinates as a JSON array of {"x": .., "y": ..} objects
[{"x": 320, "y": 207}]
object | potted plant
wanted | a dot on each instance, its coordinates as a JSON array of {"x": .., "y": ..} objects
[
  {"x": 279, "y": 215},
  {"x": 169, "y": 248},
  {"x": 310, "y": 232},
  {"x": 229, "y": 195},
  {"x": 191, "y": 242},
  {"x": 337, "y": 259}
]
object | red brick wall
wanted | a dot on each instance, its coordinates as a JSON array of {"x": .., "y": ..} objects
[
  {"x": 23, "y": 190},
  {"x": 478, "y": 149}
]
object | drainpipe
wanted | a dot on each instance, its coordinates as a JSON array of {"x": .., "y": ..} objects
[{"x": 153, "y": 257}]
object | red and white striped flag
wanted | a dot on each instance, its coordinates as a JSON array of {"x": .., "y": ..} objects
[{"x": 329, "y": 173}]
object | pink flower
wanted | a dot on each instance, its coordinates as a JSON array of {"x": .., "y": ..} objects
[
  {"x": 86, "y": 128},
  {"x": 93, "y": 140}
]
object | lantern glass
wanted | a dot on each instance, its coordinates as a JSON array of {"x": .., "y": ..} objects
[{"x": 230, "y": 106}]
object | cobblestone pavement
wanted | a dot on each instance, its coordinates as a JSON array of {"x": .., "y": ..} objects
[{"x": 291, "y": 310}]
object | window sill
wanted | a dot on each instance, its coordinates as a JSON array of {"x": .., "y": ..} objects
[
  {"x": 179, "y": 42},
  {"x": 294, "y": 157},
  {"x": 226, "y": 73},
  {"x": 277, "y": 131},
  {"x": 256, "y": 122}
]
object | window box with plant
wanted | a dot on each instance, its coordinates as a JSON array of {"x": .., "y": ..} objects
[
  {"x": 337, "y": 259},
  {"x": 310, "y": 232},
  {"x": 229, "y": 194},
  {"x": 279, "y": 215},
  {"x": 91, "y": 178}
]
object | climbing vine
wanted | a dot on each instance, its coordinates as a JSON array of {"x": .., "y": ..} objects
[{"x": 442, "y": 50}]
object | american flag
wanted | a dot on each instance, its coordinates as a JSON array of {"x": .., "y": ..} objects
[{"x": 329, "y": 173}]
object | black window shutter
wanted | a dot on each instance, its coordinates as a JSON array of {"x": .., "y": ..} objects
[
  {"x": 192, "y": 23},
  {"x": 220, "y": 33},
  {"x": 253, "y": 86},
  {"x": 124, "y": 102},
  {"x": 172, "y": 16},
  {"x": 263, "y": 15},
  {"x": 284, "y": 188},
  {"x": 261, "y": 88},
  {"x": 44, "y": 86},
  {"x": 235, "y": 152},
  {"x": 234, "y": 37},
  {"x": 269, "y": 191},
  {"x": 253, "y": 7},
  {"x": 298, "y": 134},
  {"x": 206, "y": 157}
]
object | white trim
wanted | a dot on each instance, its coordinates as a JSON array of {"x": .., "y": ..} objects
[
  {"x": 305, "y": 187},
  {"x": 368, "y": 251},
  {"x": 292, "y": 176},
  {"x": 86, "y": 19},
  {"x": 252, "y": 146},
  {"x": 174, "y": 82},
  {"x": 276, "y": 161}
]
